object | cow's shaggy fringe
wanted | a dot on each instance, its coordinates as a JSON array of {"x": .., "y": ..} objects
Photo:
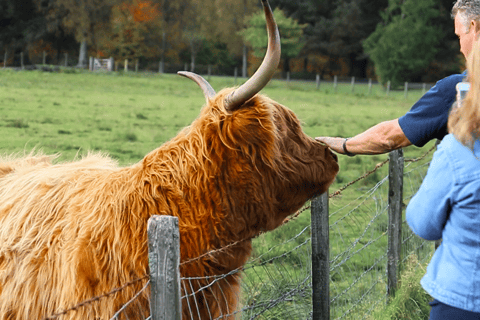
[{"x": 73, "y": 231}]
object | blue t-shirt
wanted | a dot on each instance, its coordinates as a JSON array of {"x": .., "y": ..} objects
[{"x": 428, "y": 118}]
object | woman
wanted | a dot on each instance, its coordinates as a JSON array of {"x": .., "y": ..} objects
[{"x": 447, "y": 207}]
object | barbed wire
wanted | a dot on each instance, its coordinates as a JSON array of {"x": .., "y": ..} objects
[
  {"x": 423, "y": 156},
  {"x": 115, "y": 316},
  {"x": 215, "y": 251},
  {"x": 95, "y": 299}
]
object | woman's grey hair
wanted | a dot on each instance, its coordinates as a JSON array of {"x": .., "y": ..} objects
[{"x": 467, "y": 10}]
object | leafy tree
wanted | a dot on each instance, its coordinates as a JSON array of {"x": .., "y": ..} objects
[
  {"x": 340, "y": 33},
  {"x": 20, "y": 25},
  {"x": 136, "y": 30},
  {"x": 87, "y": 20},
  {"x": 291, "y": 35},
  {"x": 306, "y": 11},
  {"x": 229, "y": 18},
  {"x": 406, "y": 42},
  {"x": 207, "y": 22},
  {"x": 448, "y": 59}
]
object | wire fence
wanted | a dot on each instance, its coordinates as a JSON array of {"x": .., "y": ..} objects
[{"x": 277, "y": 283}]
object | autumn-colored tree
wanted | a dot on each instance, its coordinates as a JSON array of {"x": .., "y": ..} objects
[{"x": 135, "y": 30}]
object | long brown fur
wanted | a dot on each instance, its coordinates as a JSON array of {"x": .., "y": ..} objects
[{"x": 73, "y": 231}]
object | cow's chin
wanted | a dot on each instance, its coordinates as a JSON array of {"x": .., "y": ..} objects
[{"x": 293, "y": 196}]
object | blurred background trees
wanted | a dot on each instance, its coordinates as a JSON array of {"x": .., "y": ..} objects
[
  {"x": 398, "y": 40},
  {"x": 405, "y": 42}
]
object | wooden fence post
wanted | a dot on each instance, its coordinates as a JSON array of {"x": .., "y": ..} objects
[
  {"x": 320, "y": 258},
  {"x": 335, "y": 79},
  {"x": 353, "y": 84},
  {"x": 369, "y": 86},
  {"x": 395, "y": 200},
  {"x": 126, "y": 65},
  {"x": 388, "y": 87},
  {"x": 406, "y": 90},
  {"x": 161, "y": 65},
  {"x": 317, "y": 81},
  {"x": 164, "y": 263}
]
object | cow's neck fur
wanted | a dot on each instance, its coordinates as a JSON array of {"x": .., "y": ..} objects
[{"x": 218, "y": 156}]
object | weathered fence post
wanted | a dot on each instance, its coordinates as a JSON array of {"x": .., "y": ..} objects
[
  {"x": 353, "y": 84},
  {"x": 369, "y": 86},
  {"x": 388, "y": 87},
  {"x": 161, "y": 65},
  {"x": 395, "y": 200},
  {"x": 164, "y": 263},
  {"x": 126, "y": 65},
  {"x": 21, "y": 61},
  {"x": 320, "y": 258},
  {"x": 406, "y": 90},
  {"x": 335, "y": 79},
  {"x": 317, "y": 81},
  {"x": 288, "y": 76}
]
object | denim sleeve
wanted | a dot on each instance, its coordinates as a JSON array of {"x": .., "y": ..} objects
[{"x": 428, "y": 210}]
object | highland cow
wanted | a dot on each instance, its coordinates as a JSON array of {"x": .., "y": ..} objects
[{"x": 73, "y": 231}]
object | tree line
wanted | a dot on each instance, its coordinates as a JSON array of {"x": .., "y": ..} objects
[{"x": 396, "y": 40}]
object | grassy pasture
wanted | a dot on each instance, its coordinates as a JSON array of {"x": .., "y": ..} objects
[{"x": 128, "y": 115}]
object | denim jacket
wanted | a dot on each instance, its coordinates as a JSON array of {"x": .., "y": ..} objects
[{"x": 447, "y": 206}]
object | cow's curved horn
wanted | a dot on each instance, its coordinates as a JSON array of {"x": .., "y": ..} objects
[
  {"x": 266, "y": 70},
  {"x": 208, "y": 91}
]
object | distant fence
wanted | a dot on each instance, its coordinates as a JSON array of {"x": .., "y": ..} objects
[{"x": 48, "y": 63}]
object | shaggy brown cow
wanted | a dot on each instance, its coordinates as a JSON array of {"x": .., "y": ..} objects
[{"x": 73, "y": 231}]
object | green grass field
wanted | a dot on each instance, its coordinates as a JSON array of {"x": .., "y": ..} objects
[{"x": 128, "y": 115}]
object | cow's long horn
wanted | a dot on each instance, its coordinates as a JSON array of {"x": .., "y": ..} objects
[
  {"x": 208, "y": 91},
  {"x": 266, "y": 70}
]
